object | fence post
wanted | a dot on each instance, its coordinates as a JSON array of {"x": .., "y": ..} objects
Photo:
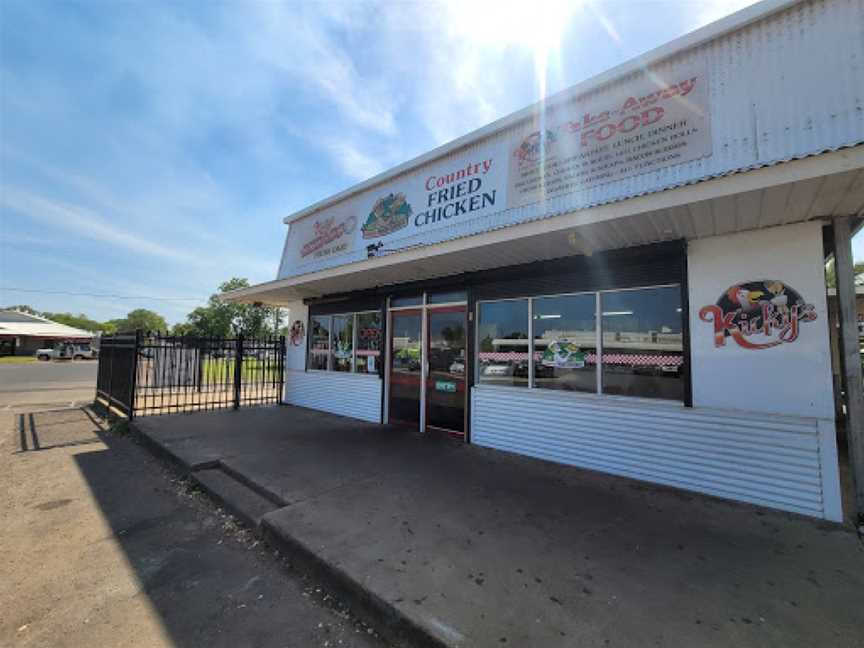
[
  {"x": 199, "y": 359},
  {"x": 112, "y": 348},
  {"x": 133, "y": 382},
  {"x": 238, "y": 369},
  {"x": 281, "y": 366}
]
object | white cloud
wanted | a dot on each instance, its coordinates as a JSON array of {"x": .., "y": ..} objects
[
  {"x": 299, "y": 43},
  {"x": 354, "y": 162},
  {"x": 84, "y": 222}
]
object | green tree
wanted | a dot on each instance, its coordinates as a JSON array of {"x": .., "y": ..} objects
[
  {"x": 23, "y": 308},
  {"x": 80, "y": 321},
  {"x": 831, "y": 272},
  {"x": 141, "y": 318},
  {"x": 220, "y": 318}
]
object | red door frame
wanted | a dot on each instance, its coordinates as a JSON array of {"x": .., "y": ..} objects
[
  {"x": 462, "y": 308},
  {"x": 391, "y": 315}
]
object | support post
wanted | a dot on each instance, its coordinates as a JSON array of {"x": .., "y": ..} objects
[{"x": 850, "y": 355}]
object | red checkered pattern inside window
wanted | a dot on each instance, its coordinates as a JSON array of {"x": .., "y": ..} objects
[
  {"x": 640, "y": 360},
  {"x": 643, "y": 360}
]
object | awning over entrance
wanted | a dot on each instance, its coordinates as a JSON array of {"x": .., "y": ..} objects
[{"x": 821, "y": 186}]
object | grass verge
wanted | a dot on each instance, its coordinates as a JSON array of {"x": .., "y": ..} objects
[{"x": 16, "y": 360}]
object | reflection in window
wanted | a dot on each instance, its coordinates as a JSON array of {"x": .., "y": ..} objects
[
  {"x": 565, "y": 343},
  {"x": 343, "y": 343},
  {"x": 502, "y": 332},
  {"x": 368, "y": 342},
  {"x": 643, "y": 343},
  {"x": 319, "y": 342}
]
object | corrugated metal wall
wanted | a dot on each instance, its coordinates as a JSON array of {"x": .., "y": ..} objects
[
  {"x": 354, "y": 395},
  {"x": 766, "y": 460}
]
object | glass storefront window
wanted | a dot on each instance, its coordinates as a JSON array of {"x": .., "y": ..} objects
[
  {"x": 565, "y": 342},
  {"x": 368, "y": 342},
  {"x": 643, "y": 343},
  {"x": 343, "y": 343},
  {"x": 319, "y": 342},
  {"x": 502, "y": 334}
]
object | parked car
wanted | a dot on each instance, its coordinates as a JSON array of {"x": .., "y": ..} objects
[{"x": 68, "y": 351}]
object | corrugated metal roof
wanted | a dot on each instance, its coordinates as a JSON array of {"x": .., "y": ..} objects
[{"x": 24, "y": 324}]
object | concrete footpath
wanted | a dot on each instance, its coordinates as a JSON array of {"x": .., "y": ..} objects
[{"x": 456, "y": 545}]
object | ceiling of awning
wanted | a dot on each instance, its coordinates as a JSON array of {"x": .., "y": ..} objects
[{"x": 747, "y": 201}]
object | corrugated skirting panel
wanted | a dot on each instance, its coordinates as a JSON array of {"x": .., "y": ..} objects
[
  {"x": 765, "y": 460},
  {"x": 354, "y": 395}
]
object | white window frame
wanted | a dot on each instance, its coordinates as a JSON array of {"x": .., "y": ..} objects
[
  {"x": 477, "y": 380},
  {"x": 330, "y": 317}
]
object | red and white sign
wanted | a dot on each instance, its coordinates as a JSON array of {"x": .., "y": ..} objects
[
  {"x": 758, "y": 314},
  {"x": 655, "y": 122},
  {"x": 329, "y": 236}
]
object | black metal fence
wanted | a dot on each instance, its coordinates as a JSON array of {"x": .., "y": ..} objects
[
  {"x": 145, "y": 373},
  {"x": 115, "y": 377}
]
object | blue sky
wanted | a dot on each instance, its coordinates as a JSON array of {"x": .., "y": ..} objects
[{"x": 150, "y": 150}]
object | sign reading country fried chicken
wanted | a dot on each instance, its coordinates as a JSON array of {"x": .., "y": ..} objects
[
  {"x": 446, "y": 194},
  {"x": 655, "y": 122}
]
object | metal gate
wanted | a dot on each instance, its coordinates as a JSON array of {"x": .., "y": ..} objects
[{"x": 145, "y": 373}]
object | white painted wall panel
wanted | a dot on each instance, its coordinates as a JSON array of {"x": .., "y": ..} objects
[
  {"x": 788, "y": 379},
  {"x": 771, "y": 461},
  {"x": 354, "y": 395},
  {"x": 295, "y": 348}
]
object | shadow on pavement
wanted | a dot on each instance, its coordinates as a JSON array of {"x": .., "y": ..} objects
[
  {"x": 196, "y": 579},
  {"x": 57, "y": 429}
]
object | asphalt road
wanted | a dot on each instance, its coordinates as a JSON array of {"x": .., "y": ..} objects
[{"x": 42, "y": 384}]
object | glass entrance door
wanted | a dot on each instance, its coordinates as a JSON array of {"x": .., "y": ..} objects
[
  {"x": 445, "y": 384},
  {"x": 406, "y": 366}
]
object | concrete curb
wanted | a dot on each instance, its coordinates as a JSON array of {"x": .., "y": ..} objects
[
  {"x": 253, "y": 485},
  {"x": 235, "y": 497},
  {"x": 166, "y": 455},
  {"x": 393, "y": 625}
]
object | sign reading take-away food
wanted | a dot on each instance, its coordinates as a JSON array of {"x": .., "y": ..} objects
[{"x": 645, "y": 126}]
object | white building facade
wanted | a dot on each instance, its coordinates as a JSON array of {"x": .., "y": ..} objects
[{"x": 627, "y": 277}]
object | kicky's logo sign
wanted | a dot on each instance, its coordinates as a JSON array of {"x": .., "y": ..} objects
[{"x": 758, "y": 314}]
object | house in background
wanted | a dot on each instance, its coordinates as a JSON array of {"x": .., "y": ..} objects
[{"x": 23, "y": 334}]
